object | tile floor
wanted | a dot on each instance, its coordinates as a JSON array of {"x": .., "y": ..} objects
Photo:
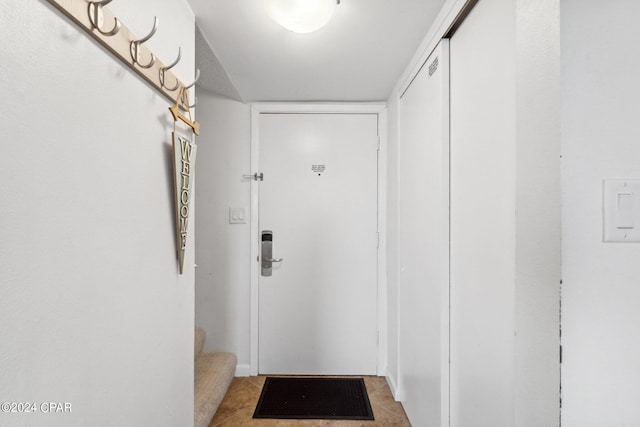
[{"x": 238, "y": 405}]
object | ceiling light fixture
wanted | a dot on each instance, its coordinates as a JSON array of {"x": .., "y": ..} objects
[{"x": 302, "y": 16}]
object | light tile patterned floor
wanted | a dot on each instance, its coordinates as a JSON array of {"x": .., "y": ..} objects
[{"x": 238, "y": 405}]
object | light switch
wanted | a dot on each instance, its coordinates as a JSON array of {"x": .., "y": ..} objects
[
  {"x": 237, "y": 216},
  {"x": 624, "y": 217},
  {"x": 621, "y": 210}
]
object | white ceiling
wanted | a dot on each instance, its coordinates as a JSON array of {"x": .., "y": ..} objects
[{"x": 358, "y": 56}]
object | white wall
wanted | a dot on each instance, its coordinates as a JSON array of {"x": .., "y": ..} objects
[
  {"x": 93, "y": 311},
  {"x": 223, "y": 280},
  {"x": 600, "y": 292}
]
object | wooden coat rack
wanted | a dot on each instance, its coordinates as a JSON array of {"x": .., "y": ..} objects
[{"x": 104, "y": 27}]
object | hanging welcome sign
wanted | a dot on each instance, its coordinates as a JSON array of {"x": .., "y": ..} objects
[
  {"x": 184, "y": 154},
  {"x": 184, "y": 160}
]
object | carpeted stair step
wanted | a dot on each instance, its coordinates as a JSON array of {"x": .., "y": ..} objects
[{"x": 213, "y": 374}]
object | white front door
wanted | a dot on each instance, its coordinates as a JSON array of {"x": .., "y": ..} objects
[{"x": 318, "y": 309}]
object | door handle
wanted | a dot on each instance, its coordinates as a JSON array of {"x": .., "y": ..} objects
[{"x": 267, "y": 253}]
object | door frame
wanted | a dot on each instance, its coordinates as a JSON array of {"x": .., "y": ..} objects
[{"x": 380, "y": 110}]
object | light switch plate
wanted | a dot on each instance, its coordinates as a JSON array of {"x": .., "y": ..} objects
[
  {"x": 237, "y": 216},
  {"x": 621, "y": 200}
]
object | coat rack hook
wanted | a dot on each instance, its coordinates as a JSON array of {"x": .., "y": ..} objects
[
  {"x": 163, "y": 70},
  {"x": 195, "y": 102},
  {"x": 195, "y": 81},
  {"x": 184, "y": 94},
  {"x": 135, "y": 46},
  {"x": 96, "y": 16},
  {"x": 184, "y": 103}
]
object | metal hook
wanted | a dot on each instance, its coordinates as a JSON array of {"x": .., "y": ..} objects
[
  {"x": 95, "y": 16},
  {"x": 195, "y": 81},
  {"x": 163, "y": 70},
  {"x": 183, "y": 103},
  {"x": 101, "y": 2},
  {"x": 135, "y": 46}
]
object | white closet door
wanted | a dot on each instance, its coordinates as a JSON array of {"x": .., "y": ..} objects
[
  {"x": 483, "y": 191},
  {"x": 424, "y": 242}
]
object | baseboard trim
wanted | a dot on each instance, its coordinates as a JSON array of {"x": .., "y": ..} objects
[
  {"x": 243, "y": 370},
  {"x": 393, "y": 386}
]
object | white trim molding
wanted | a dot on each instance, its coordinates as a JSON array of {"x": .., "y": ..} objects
[
  {"x": 243, "y": 370},
  {"x": 393, "y": 386},
  {"x": 449, "y": 15},
  {"x": 321, "y": 108}
]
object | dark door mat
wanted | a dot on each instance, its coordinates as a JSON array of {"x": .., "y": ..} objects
[{"x": 314, "y": 398}]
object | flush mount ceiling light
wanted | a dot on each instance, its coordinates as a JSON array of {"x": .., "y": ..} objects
[{"x": 301, "y": 16}]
